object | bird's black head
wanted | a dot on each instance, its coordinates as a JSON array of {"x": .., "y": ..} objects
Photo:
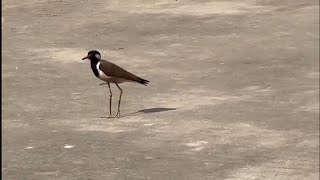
[{"x": 93, "y": 56}]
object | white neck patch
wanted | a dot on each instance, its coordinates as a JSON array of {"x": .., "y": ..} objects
[{"x": 97, "y": 56}]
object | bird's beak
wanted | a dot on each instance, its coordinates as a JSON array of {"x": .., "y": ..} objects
[{"x": 87, "y": 57}]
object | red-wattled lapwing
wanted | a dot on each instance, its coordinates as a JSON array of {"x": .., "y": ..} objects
[{"x": 111, "y": 73}]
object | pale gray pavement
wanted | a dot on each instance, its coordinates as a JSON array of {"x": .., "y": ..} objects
[{"x": 233, "y": 94}]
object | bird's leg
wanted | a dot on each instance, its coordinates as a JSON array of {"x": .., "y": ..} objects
[
  {"x": 110, "y": 102},
  {"x": 118, "y": 113}
]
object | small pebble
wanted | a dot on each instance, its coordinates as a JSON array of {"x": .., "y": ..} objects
[{"x": 68, "y": 146}]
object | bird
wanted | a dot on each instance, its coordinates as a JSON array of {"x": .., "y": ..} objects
[{"x": 111, "y": 73}]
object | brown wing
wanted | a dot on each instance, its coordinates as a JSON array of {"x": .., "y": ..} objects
[{"x": 113, "y": 70}]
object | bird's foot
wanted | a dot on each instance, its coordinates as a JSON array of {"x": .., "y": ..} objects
[
  {"x": 117, "y": 115},
  {"x": 110, "y": 116},
  {"x": 102, "y": 84}
]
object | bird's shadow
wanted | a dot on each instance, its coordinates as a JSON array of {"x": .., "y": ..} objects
[
  {"x": 150, "y": 110},
  {"x": 154, "y": 110}
]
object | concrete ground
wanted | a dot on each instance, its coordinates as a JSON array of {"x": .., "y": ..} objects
[{"x": 233, "y": 93}]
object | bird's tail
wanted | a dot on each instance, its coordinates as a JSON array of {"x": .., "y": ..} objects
[{"x": 143, "y": 81}]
